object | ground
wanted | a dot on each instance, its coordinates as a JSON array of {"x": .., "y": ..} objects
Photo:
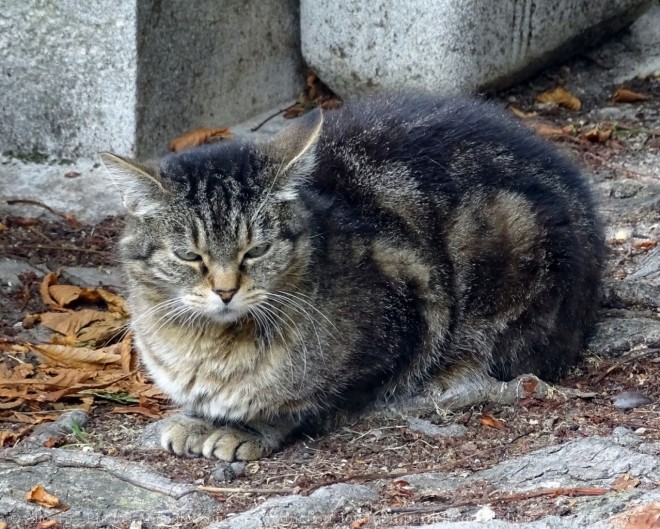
[{"x": 608, "y": 404}]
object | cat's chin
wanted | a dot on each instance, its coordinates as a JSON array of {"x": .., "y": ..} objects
[{"x": 225, "y": 316}]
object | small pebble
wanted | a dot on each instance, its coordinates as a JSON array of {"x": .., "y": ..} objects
[
  {"x": 226, "y": 472},
  {"x": 630, "y": 399}
]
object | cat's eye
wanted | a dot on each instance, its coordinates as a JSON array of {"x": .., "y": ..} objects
[
  {"x": 187, "y": 255},
  {"x": 257, "y": 251}
]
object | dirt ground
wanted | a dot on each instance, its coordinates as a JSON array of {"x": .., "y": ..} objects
[{"x": 377, "y": 446}]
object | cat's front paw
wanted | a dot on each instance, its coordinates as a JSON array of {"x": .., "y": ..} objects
[{"x": 191, "y": 437}]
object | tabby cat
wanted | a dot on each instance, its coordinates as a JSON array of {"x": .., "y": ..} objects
[{"x": 356, "y": 256}]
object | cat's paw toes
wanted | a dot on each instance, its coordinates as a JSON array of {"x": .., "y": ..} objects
[
  {"x": 231, "y": 444},
  {"x": 185, "y": 436}
]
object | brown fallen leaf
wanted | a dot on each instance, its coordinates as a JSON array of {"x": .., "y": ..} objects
[
  {"x": 551, "y": 131},
  {"x": 48, "y": 524},
  {"x": 78, "y": 356},
  {"x": 625, "y": 482},
  {"x": 53, "y": 441},
  {"x": 529, "y": 386},
  {"x": 49, "y": 279},
  {"x": 598, "y": 134},
  {"x": 492, "y": 422},
  {"x": 70, "y": 323},
  {"x": 522, "y": 114},
  {"x": 39, "y": 496},
  {"x": 625, "y": 95},
  {"x": 645, "y": 245},
  {"x": 645, "y": 516},
  {"x": 197, "y": 137},
  {"x": 561, "y": 97},
  {"x": 358, "y": 524},
  {"x": 315, "y": 94},
  {"x": 8, "y": 438}
]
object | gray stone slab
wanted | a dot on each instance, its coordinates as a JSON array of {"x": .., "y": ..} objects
[
  {"x": 99, "y": 490},
  {"x": 583, "y": 463},
  {"x": 213, "y": 65},
  {"x": 92, "y": 277},
  {"x": 89, "y": 196},
  {"x": 77, "y": 78},
  {"x": 68, "y": 72},
  {"x": 365, "y": 45}
]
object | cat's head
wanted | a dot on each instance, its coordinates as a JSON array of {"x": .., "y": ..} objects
[{"x": 219, "y": 230}]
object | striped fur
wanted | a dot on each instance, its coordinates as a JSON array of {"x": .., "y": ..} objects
[{"x": 407, "y": 239}]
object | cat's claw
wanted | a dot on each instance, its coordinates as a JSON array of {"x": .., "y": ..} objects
[{"x": 193, "y": 437}]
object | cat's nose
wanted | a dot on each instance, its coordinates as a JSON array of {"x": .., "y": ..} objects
[{"x": 225, "y": 295}]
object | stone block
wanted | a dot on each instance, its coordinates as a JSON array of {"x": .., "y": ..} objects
[
  {"x": 375, "y": 45},
  {"x": 79, "y": 77}
]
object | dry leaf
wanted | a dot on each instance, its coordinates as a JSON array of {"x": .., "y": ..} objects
[
  {"x": 49, "y": 279},
  {"x": 315, "y": 94},
  {"x": 625, "y": 95},
  {"x": 625, "y": 482},
  {"x": 39, "y": 496},
  {"x": 550, "y": 131},
  {"x": 560, "y": 96},
  {"x": 529, "y": 386},
  {"x": 47, "y": 524},
  {"x": 492, "y": 422},
  {"x": 197, "y": 137},
  {"x": 70, "y": 323},
  {"x": 3, "y": 524},
  {"x": 78, "y": 356},
  {"x": 8, "y": 438},
  {"x": 357, "y": 524},
  {"x": 645, "y": 245},
  {"x": 598, "y": 134},
  {"x": 521, "y": 114},
  {"x": 639, "y": 517}
]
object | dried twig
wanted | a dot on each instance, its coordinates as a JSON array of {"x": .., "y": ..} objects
[
  {"x": 238, "y": 490},
  {"x": 256, "y": 128},
  {"x": 509, "y": 497},
  {"x": 38, "y": 203},
  {"x": 65, "y": 248}
]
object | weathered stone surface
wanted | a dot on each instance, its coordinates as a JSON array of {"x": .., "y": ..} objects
[
  {"x": 213, "y": 65},
  {"x": 66, "y": 423},
  {"x": 362, "y": 45},
  {"x": 94, "y": 277},
  {"x": 68, "y": 72},
  {"x": 10, "y": 269},
  {"x": 90, "y": 197},
  {"x": 77, "y": 78},
  {"x": 618, "y": 335},
  {"x": 98, "y": 489},
  {"x": 594, "y": 462},
  {"x": 310, "y": 509}
]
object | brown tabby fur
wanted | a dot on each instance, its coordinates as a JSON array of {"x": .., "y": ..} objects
[{"x": 356, "y": 256}]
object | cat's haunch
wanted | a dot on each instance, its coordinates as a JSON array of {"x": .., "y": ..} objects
[{"x": 358, "y": 255}]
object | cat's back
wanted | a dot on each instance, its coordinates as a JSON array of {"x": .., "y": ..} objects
[{"x": 448, "y": 143}]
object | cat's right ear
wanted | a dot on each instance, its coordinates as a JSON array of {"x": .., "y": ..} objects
[
  {"x": 294, "y": 148},
  {"x": 140, "y": 186}
]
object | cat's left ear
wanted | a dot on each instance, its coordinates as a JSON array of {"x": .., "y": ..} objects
[
  {"x": 141, "y": 187},
  {"x": 294, "y": 149}
]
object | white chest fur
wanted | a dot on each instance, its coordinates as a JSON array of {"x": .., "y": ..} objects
[{"x": 218, "y": 376}]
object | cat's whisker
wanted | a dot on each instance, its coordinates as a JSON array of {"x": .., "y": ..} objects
[
  {"x": 295, "y": 329},
  {"x": 300, "y": 310},
  {"x": 274, "y": 319},
  {"x": 300, "y": 297}
]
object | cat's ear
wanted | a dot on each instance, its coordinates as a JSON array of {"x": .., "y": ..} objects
[
  {"x": 294, "y": 149},
  {"x": 140, "y": 186}
]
